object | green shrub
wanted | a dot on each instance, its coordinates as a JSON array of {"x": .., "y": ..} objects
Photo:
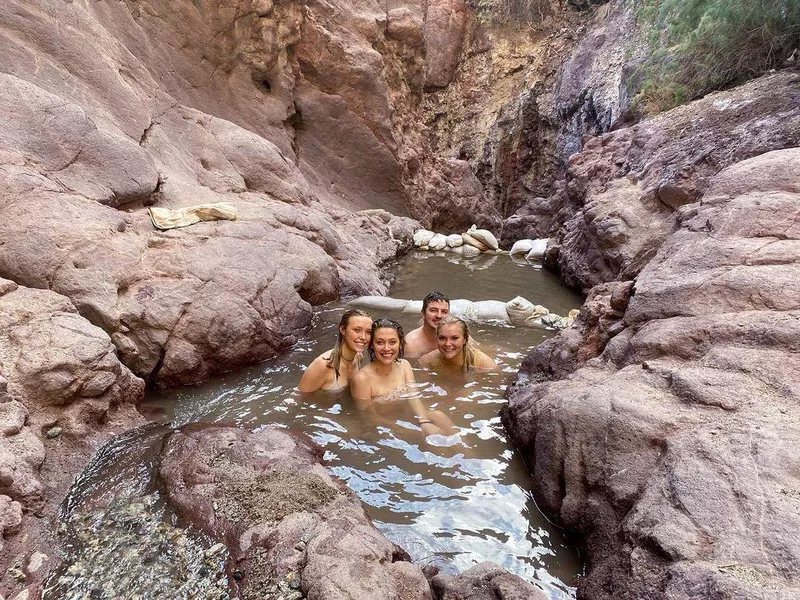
[{"x": 698, "y": 46}]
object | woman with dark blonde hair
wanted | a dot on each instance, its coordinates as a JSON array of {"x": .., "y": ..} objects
[
  {"x": 332, "y": 370},
  {"x": 455, "y": 349}
]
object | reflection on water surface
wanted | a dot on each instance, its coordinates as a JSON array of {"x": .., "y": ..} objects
[{"x": 452, "y": 502}]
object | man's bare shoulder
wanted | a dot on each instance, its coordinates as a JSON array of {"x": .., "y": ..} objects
[
  {"x": 415, "y": 343},
  {"x": 414, "y": 335}
]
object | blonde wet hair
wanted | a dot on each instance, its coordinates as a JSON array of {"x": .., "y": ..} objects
[
  {"x": 335, "y": 359},
  {"x": 468, "y": 350}
]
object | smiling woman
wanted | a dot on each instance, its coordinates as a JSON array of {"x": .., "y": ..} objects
[
  {"x": 333, "y": 370},
  {"x": 384, "y": 379},
  {"x": 456, "y": 349}
]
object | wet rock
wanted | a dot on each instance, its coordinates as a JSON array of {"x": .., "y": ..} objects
[
  {"x": 49, "y": 353},
  {"x": 485, "y": 581},
  {"x": 127, "y": 550},
  {"x": 286, "y": 522},
  {"x": 666, "y": 435}
]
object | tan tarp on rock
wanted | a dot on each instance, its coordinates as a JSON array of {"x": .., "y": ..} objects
[{"x": 166, "y": 218}]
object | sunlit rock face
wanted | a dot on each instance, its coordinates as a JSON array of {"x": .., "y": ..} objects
[
  {"x": 665, "y": 426},
  {"x": 282, "y": 108}
]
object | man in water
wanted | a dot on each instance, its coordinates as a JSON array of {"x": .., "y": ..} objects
[{"x": 435, "y": 307}]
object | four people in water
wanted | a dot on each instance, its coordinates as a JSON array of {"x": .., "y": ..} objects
[{"x": 441, "y": 341}]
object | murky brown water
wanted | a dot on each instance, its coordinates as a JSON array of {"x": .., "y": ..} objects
[{"x": 454, "y": 503}]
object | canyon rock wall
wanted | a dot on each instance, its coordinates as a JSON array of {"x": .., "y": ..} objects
[
  {"x": 282, "y": 108},
  {"x": 664, "y": 426}
]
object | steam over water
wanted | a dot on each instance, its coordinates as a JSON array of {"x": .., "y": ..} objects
[{"x": 452, "y": 503}]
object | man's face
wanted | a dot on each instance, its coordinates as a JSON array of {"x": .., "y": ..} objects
[{"x": 435, "y": 312}]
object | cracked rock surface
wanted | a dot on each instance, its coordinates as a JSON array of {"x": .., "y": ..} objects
[{"x": 667, "y": 428}]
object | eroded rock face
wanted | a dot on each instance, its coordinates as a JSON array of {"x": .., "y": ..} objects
[
  {"x": 630, "y": 183},
  {"x": 62, "y": 390},
  {"x": 244, "y": 109},
  {"x": 674, "y": 450}
]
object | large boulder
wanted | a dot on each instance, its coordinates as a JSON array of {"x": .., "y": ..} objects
[
  {"x": 667, "y": 436},
  {"x": 284, "y": 519},
  {"x": 62, "y": 391}
]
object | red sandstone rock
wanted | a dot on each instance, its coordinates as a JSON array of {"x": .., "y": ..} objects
[
  {"x": 630, "y": 183},
  {"x": 62, "y": 392},
  {"x": 282, "y": 516},
  {"x": 674, "y": 449}
]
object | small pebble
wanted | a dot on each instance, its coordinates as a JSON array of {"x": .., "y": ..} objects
[{"x": 54, "y": 432}]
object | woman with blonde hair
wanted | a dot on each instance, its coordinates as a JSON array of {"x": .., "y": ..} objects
[
  {"x": 455, "y": 349},
  {"x": 332, "y": 370}
]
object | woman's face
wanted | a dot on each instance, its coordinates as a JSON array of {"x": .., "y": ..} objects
[
  {"x": 450, "y": 341},
  {"x": 356, "y": 334},
  {"x": 386, "y": 345}
]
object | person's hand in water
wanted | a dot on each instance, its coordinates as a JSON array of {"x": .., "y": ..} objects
[{"x": 428, "y": 428}]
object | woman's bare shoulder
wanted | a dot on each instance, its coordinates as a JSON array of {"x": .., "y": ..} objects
[{"x": 484, "y": 361}]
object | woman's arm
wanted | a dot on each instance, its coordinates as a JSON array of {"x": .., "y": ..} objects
[
  {"x": 314, "y": 377},
  {"x": 408, "y": 372}
]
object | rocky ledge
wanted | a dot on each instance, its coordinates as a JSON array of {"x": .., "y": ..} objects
[
  {"x": 665, "y": 426},
  {"x": 62, "y": 391},
  {"x": 288, "y": 525}
]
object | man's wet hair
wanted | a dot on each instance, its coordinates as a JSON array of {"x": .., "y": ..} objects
[{"x": 434, "y": 297}]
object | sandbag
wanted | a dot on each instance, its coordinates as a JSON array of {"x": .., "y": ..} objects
[
  {"x": 474, "y": 242},
  {"x": 413, "y": 306},
  {"x": 437, "y": 242},
  {"x": 537, "y": 249},
  {"x": 455, "y": 240},
  {"x": 491, "y": 310},
  {"x": 570, "y": 318},
  {"x": 520, "y": 310},
  {"x": 379, "y": 303},
  {"x": 463, "y": 308},
  {"x": 521, "y": 247},
  {"x": 553, "y": 321},
  {"x": 484, "y": 236},
  {"x": 422, "y": 237},
  {"x": 469, "y": 251}
]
